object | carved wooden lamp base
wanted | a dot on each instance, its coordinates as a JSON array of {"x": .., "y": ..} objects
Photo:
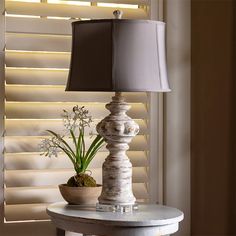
[{"x": 118, "y": 129}]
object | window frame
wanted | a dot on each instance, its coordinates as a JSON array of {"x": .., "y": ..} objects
[
  {"x": 177, "y": 112},
  {"x": 2, "y": 107}
]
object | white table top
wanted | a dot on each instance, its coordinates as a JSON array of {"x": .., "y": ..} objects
[{"x": 147, "y": 215}]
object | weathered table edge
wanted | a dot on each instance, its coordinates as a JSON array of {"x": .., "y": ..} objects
[{"x": 102, "y": 227}]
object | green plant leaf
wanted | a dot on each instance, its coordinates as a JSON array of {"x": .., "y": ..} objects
[
  {"x": 80, "y": 158},
  {"x": 78, "y": 149},
  {"x": 93, "y": 149},
  {"x": 74, "y": 138},
  {"x": 67, "y": 153},
  {"x": 63, "y": 141},
  {"x": 98, "y": 137},
  {"x": 83, "y": 145}
]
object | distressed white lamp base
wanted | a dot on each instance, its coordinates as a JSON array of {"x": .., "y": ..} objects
[{"x": 118, "y": 129}]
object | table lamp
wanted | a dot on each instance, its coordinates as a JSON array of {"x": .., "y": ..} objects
[{"x": 118, "y": 55}]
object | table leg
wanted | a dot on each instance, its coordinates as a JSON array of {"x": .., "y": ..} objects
[{"x": 60, "y": 232}]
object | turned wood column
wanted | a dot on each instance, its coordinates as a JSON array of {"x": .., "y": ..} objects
[{"x": 118, "y": 129}]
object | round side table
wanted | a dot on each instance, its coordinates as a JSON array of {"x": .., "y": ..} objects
[{"x": 149, "y": 220}]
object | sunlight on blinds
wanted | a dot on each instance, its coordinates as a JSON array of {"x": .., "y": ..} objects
[
  {"x": 38, "y": 44},
  {"x": 79, "y": 3},
  {"x": 102, "y": 4}
]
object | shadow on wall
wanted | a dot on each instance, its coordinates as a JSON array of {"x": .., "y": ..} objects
[{"x": 213, "y": 102}]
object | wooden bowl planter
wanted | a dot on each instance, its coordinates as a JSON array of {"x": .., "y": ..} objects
[{"x": 80, "y": 195}]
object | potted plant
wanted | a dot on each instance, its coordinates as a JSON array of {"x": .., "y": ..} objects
[{"x": 82, "y": 187}]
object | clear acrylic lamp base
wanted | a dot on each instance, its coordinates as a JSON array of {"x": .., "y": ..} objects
[{"x": 116, "y": 207}]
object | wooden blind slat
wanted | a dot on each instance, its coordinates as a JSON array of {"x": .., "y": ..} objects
[
  {"x": 24, "y": 195},
  {"x": 32, "y": 178},
  {"x": 38, "y": 228},
  {"x": 32, "y": 195},
  {"x": 66, "y": 10},
  {"x": 26, "y": 212},
  {"x": 133, "y": 2},
  {"x": 38, "y": 42},
  {"x": 38, "y": 127},
  {"x": 35, "y": 76},
  {"x": 35, "y": 161},
  {"x": 38, "y": 25},
  {"x": 23, "y": 110},
  {"x": 57, "y": 93},
  {"x": 30, "y": 143},
  {"x": 37, "y": 60}
]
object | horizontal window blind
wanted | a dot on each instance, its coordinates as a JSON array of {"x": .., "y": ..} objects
[{"x": 38, "y": 44}]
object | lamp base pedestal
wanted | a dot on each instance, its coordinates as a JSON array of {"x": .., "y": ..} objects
[
  {"x": 116, "y": 208},
  {"x": 118, "y": 129}
]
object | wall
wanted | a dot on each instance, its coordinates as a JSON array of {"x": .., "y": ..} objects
[
  {"x": 177, "y": 113},
  {"x": 212, "y": 123}
]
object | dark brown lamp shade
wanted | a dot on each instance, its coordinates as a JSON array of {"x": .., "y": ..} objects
[{"x": 118, "y": 55}]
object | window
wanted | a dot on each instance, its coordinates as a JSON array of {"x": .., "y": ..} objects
[{"x": 37, "y": 55}]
